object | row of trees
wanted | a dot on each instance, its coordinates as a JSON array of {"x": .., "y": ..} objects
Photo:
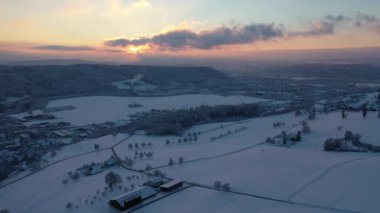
[
  {"x": 343, "y": 144},
  {"x": 228, "y": 133},
  {"x": 175, "y": 122},
  {"x": 142, "y": 145},
  {"x": 171, "y": 162}
]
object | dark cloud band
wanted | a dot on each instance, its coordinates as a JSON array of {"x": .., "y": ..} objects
[
  {"x": 182, "y": 39},
  {"x": 63, "y": 48}
]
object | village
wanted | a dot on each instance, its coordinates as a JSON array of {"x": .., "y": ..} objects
[{"x": 24, "y": 141}]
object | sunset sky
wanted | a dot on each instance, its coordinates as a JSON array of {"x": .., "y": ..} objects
[{"x": 127, "y": 29}]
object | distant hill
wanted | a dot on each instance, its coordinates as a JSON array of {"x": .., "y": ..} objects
[
  {"x": 53, "y": 62},
  {"x": 351, "y": 72},
  {"x": 90, "y": 79}
]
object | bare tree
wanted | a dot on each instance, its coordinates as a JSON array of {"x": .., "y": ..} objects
[
  {"x": 226, "y": 187},
  {"x": 171, "y": 162},
  {"x": 69, "y": 205},
  {"x": 364, "y": 110},
  {"x": 112, "y": 179},
  {"x": 180, "y": 160},
  {"x": 217, "y": 184},
  {"x": 96, "y": 146}
]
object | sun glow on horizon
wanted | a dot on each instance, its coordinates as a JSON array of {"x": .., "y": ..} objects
[{"x": 138, "y": 49}]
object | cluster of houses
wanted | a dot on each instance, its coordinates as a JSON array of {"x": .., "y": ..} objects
[
  {"x": 29, "y": 138},
  {"x": 353, "y": 102},
  {"x": 150, "y": 189}
]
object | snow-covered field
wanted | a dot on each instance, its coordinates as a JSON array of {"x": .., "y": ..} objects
[
  {"x": 209, "y": 201},
  {"x": 326, "y": 126},
  {"x": 266, "y": 170},
  {"x": 258, "y": 130},
  {"x": 354, "y": 186},
  {"x": 45, "y": 192},
  {"x": 81, "y": 148},
  {"x": 98, "y": 109},
  {"x": 304, "y": 177},
  {"x": 86, "y": 146}
]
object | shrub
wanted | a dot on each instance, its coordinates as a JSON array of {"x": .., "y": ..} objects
[
  {"x": 69, "y": 205},
  {"x": 333, "y": 144}
]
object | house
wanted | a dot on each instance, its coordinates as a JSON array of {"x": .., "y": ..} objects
[
  {"x": 132, "y": 198},
  {"x": 95, "y": 169},
  {"x": 59, "y": 134},
  {"x": 83, "y": 135},
  {"x": 109, "y": 163},
  {"x": 170, "y": 186},
  {"x": 62, "y": 133}
]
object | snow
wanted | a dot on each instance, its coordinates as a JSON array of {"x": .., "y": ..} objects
[
  {"x": 98, "y": 109},
  {"x": 258, "y": 130},
  {"x": 45, "y": 192},
  {"x": 86, "y": 146},
  {"x": 269, "y": 171},
  {"x": 354, "y": 186},
  {"x": 201, "y": 200},
  {"x": 305, "y": 177},
  {"x": 326, "y": 126}
]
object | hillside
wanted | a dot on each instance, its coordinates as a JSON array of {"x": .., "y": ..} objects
[{"x": 86, "y": 79}]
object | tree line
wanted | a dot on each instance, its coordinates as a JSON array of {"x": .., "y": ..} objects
[{"x": 175, "y": 122}]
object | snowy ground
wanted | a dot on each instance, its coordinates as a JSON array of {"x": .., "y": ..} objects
[
  {"x": 87, "y": 146},
  {"x": 98, "y": 109},
  {"x": 258, "y": 130},
  {"x": 354, "y": 186},
  {"x": 80, "y": 148},
  {"x": 305, "y": 175},
  {"x": 266, "y": 170},
  {"x": 209, "y": 201},
  {"x": 326, "y": 126},
  {"x": 45, "y": 192}
]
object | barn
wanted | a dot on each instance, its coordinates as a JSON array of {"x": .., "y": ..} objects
[
  {"x": 132, "y": 198},
  {"x": 155, "y": 182},
  {"x": 170, "y": 186}
]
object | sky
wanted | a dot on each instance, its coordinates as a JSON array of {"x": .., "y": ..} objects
[{"x": 128, "y": 30}]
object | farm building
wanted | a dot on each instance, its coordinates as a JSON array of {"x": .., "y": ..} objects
[
  {"x": 170, "y": 186},
  {"x": 62, "y": 134},
  {"x": 155, "y": 182},
  {"x": 95, "y": 169},
  {"x": 109, "y": 163},
  {"x": 132, "y": 198}
]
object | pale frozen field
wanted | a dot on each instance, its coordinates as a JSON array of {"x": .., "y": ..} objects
[
  {"x": 326, "y": 126},
  {"x": 98, "y": 109},
  {"x": 265, "y": 170},
  {"x": 201, "y": 200},
  {"x": 86, "y": 146},
  {"x": 353, "y": 186},
  {"x": 44, "y": 191},
  {"x": 258, "y": 130}
]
